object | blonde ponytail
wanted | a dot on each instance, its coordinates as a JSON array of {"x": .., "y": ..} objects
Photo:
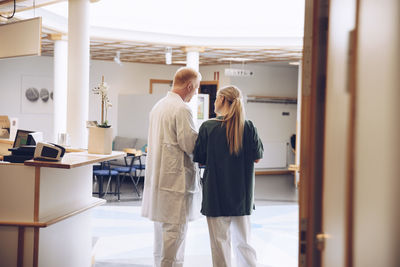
[{"x": 234, "y": 119}]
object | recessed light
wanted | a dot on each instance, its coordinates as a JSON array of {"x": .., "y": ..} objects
[
  {"x": 181, "y": 62},
  {"x": 238, "y": 59}
]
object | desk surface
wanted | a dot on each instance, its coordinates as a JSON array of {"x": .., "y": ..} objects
[{"x": 76, "y": 159}]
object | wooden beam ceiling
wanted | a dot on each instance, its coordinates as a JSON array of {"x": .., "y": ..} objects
[{"x": 155, "y": 54}]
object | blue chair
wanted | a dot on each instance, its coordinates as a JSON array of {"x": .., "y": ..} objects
[
  {"x": 129, "y": 171},
  {"x": 139, "y": 166},
  {"x": 105, "y": 171}
]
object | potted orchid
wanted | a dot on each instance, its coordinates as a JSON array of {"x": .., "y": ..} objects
[
  {"x": 100, "y": 135},
  {"x": 102, "y": 90}
]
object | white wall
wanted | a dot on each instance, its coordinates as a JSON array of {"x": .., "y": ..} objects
[
  {"x": 273, "y": 79},
  {"x": 268, "y": 79},
  {"x": 11, "y": 72}
]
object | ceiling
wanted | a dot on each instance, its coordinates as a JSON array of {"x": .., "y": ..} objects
[
  {"x": 6, "y": 6},
  {"x": 153, "y": 53}
]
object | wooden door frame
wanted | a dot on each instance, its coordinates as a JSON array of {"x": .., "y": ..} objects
[
  {"x": 158, "y": 81},
  {"x": 352, "y": 89},
  {"x": 210, "y": 83},
  {"x": 312, "y": 130}
]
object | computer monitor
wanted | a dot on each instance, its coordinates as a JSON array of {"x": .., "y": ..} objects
[{"x": 22, "y": 138}]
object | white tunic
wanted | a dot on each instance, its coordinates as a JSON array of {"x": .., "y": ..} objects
[{"x": 171, "y": 187}]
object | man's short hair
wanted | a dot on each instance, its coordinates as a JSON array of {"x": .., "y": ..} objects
[{"x": 185, "y": 74}]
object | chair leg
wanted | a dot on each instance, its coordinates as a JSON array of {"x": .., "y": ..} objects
[
  {"x": 135, "y": 183},
  {"x": 108, "y": 185},
  {"x": 101, "y": 193},
  {"x": 94, "y": 179},
  {"x": 118, "y": 186}
]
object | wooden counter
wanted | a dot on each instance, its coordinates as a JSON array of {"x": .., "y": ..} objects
[
  {"x": 75, "y": 159},
  {"x": 45, "y": 211}
]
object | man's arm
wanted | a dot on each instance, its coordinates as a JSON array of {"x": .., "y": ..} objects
[{"x": 185, "y": 130}]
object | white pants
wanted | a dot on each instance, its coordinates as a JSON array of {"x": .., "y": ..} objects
[
  {"x": 220, "y": 239},
  {"x": 169, "y": 244}
]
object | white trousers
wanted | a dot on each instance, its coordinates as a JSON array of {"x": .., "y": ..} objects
[
  {"x": 220, "y": 239},
  {"x": 169, "y": 244}
]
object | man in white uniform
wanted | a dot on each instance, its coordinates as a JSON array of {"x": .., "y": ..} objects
[{"x": 171, "y": 195}]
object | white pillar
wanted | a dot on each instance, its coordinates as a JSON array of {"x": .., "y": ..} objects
[
  {"x": 192, "y": 61},
  {"x": 60, "y": 85},
  {"x": 78, "y": 72},
  {"x": 192, "y": 58}
]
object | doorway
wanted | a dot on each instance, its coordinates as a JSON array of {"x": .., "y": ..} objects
[{"x": 210, "y": 88}]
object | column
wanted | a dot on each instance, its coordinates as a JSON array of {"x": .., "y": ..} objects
[
  {"x": 192, "y": 60},
  {"x": 60, "y": 69},
  {"x": 78, "y": 72}
]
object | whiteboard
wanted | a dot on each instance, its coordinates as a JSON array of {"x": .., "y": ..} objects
[
  {"x": 133, "y": 114},
  {"x": 134, "y": 110}
]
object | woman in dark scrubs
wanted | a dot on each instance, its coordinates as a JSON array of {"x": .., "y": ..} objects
[{"x": 229, "y": 146}]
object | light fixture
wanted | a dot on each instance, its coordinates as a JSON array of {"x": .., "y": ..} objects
[
  {"x": 296, "y": 63},
  {"x": 117, "y": 58},
  {"x": 237, "y": 59},
  {"x": 180, "y": 62},
  {"x": 168, "y": 55}
]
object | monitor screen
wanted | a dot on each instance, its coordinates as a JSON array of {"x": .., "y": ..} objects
[{"x": 21, "y": 138}]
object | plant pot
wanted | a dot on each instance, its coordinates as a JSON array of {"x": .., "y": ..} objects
[{"x": 100, "y": 140}]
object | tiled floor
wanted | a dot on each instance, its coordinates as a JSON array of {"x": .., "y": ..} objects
[{"x": 124, "y": 238}]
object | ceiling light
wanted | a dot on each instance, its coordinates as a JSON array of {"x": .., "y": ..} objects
[
  {"x": 117, "y": 58},
  {"x": 238, "y": 59},
  {"x": 168, "y": 55},
  {"x": 294, "y": 63},
  {"x": 180, "y": 62}
]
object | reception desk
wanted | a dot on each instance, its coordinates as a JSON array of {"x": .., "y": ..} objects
[{"x": 45, "y": 211}]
